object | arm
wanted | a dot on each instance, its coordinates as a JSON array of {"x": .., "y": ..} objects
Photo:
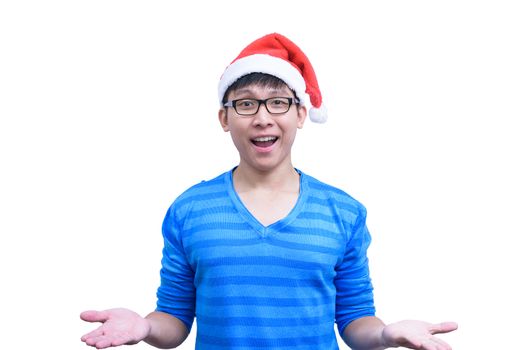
[
  {"x": 365, "y": 333},
  {"x": 169, "y": 325},
  {"x": 125, "y": 327},
  {"x": 370, "y": 333},
  {"x": 166, "y": 331},
  {"x": 357, "y": 325}
]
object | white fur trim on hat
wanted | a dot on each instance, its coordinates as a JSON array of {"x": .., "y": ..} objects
[{"x": 262, "y": 63}]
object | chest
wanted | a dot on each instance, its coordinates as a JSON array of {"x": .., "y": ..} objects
[
  {"x": 227, "y": 251},
  {"x": 269, "y": 207}
]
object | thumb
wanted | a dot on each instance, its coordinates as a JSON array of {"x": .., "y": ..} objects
[
  {"x": 94, "y": 316},
  {"x": 444, "y": 327}
]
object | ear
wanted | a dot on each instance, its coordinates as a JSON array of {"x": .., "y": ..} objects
[
  {"x": 301, "y": 115},
  {"x": 222, "y": 118}
]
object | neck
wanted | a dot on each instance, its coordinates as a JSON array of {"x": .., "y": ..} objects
[{"x": 283, "y": 178}]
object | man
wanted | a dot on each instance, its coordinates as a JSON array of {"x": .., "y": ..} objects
[{"x": 264, "y": 255}]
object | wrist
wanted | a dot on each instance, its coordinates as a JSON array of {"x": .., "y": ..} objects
[
  {"x": 385, "y": 340},
  {"x": 150, "y": 320}
]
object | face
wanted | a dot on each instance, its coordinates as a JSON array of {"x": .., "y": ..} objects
[{"x": 263, "y": 140}]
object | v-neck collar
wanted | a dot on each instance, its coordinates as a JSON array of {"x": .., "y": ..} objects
[{"x": 250, "y": 219}]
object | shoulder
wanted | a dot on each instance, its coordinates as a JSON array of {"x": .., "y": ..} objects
[
  {"x": 204, "y": 188},
  {"x": 200, "y": 194},
  {"x": 322, "y": 190},
  {"x": 349, "y": 209}
]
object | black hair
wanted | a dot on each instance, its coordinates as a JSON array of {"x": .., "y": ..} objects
[{"x": 260, "y": 79}]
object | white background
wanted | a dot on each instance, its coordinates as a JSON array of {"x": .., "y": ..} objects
[{"x": 108, "y": 111}]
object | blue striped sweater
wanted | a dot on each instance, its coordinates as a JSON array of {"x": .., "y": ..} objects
[{"x": 274, "y": 287}]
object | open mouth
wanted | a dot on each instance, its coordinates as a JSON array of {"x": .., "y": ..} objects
[{"x": 265, "y": 141}]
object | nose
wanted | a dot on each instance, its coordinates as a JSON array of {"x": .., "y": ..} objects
[{"x": 262, "y": 117}]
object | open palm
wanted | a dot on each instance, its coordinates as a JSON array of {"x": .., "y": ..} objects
[
  {"x": 119, "y": 327},
  {"x": 417, "y": 334}
]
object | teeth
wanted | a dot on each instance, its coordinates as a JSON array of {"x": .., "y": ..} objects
[{"x": 265, "y": 138}]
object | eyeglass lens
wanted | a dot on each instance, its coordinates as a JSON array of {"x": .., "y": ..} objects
[{"x": 275, "y": 105}]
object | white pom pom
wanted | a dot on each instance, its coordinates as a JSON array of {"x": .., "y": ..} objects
[{"x": 318, "y": 115}]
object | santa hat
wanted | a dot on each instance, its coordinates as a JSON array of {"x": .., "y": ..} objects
[{"x": 276, "y": 55}]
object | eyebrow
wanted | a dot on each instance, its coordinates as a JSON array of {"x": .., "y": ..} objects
[{"x": 250, "y": 91}]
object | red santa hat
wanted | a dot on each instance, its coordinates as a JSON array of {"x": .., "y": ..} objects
[{"x": 277, "y": 55}]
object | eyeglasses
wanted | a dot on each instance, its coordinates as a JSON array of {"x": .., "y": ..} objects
[{"x": 250, "y": 106}]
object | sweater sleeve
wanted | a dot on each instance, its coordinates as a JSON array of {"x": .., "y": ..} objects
[
  {"x": 176, "y": 294},
  {"x": 353, "y": 283}
]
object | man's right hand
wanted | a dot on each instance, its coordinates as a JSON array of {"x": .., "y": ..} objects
[{"x": 119, "y": 327}]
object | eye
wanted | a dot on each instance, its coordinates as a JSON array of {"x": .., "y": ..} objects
[
  {"x": 246, "y": 103},
  {"x": 279, "y": 102}
]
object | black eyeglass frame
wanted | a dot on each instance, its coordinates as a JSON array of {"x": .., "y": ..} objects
[{"x": 233, "y": 103}]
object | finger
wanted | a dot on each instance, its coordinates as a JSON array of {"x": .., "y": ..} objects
[
  {"x": 117, "y": 341},
  {"x": 443, "y": 327},
  {"x": 103, "y": 343},
  {"x": 95, "y": 341},
  {"x": 96, "y": 333},
  {"x": 442, "y": 345},
  {"x": 429, "y": 345},
  {"x": 106, "y": 342},
  {"x": 94, "y": 316}
]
